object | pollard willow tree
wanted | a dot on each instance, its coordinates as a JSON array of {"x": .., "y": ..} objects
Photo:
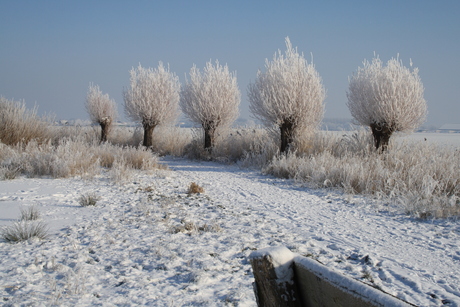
[
  {"x": 288, "y": 96},
  {"x": 152, "y": 99},
  {"x": 211, "y": 99},
  {"x": 101, "y": 109},
  {"x": 387, "y": 99}
]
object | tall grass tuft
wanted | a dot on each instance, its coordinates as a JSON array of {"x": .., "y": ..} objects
[
  {"x": 29, "y": 213},
  {"x": 24, "y": 230},
  {"x": 88, "y": 199}
]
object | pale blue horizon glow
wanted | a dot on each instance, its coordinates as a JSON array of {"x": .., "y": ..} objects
[{"x": 51, "y": 50}]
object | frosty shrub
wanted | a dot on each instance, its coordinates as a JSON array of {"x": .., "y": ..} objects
[
  {"x": 421, "y": 179},
  {"x": 252, "y": 147},
  {"x": 29, "y": 213},
  {"x": 386, "y": 98},
  {"x": 211, "y": 99},
  {"x": 101, "y": 109},
  {"x": 86, "y": 134},
  {"x": 71, "y": 158},
  {"x": 288, "y": 97},
  {"x": 88, "y": 199},
  {"x": 152, "y": 99},
  {"x": 67, "y": 158},
  {"x": 24, "y": 230},
  {"x": 20, "y": 125},
  {"x": 195, "y": 189},
  {"x": 171, "y": 140}
]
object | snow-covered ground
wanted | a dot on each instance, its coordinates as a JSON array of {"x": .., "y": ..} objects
[{"x": 147, "y": 242}]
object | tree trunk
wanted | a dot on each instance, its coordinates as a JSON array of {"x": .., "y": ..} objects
[
  {"x": 104, "y": 132},
  {"x": 209, "y": 138},
  {"x": 148, "y": 135},
  {"x": 286, "y": 130},
  {"x": 105, "y": 124},
  {"x": 210, "y": 127},
  {"x": 381, "y": 133}
]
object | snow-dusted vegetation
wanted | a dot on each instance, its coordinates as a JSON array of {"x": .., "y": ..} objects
[
  {"x": 152, "y": 99},
  {"x": 288, "y": 96},
  {"x": 101, "y": 109},
  {"x": 386, "y": 98},
  {"x": 211, "y": 99}
]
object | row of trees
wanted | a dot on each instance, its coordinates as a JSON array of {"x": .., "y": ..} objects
[{"x": 288, "y": 97}]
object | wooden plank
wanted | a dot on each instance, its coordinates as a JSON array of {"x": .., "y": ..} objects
[
  {"x": 320, "y": 286},
  {"x": 283, "y": 278},
  {"x": 274, "y": 278}
]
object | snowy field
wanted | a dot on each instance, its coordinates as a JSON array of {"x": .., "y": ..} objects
[{"x": 146, "y": 242}]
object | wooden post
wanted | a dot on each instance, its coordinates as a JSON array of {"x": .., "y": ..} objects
[{"x": 274, "y": 277}]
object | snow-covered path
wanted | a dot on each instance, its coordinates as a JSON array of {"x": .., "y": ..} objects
[
  {"x": 148, "y": 243},
  {"x": 414, "y": 260}
]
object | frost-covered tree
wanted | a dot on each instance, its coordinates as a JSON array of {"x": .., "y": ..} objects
[
  {"x": 101, "y": 109},
  {"x": 211, "y": 99},
  {"x": 152, "y": 98},
  {"x": 288, "y": 96},
  {"x": 386, "y": 98}
]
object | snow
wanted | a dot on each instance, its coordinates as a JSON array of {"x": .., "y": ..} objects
[{"x": 146, "y": 242}]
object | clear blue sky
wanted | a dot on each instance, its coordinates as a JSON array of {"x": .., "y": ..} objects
[{"x": 51, "y": 50}]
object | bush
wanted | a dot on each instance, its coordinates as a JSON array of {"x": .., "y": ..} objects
[
  {"x": 89, "y": 199},
  {"x": 25, "y": 230},
  {"x": 252, "y": 147},
  {"x": 20, "y": 125}
]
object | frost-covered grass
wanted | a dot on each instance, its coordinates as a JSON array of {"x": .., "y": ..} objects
[
  {"x": 19, "y": 124},
  {"x": 68, "y": 157},
  {"x": 24, "y": 230},
  {"x": 88, "y": 199},
  {"x": 29, "y": 213},
  {"x": 422, "y": 178},
  {"x": 419, "y": 176}
]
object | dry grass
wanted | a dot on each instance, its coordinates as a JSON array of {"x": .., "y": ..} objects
[
  {"x": 69, "y": 157},
  {"x": 195, "y": 189},
  {"x": 250, "y": 146},
  {"x": 20, "y": 125},
  {"x": 422, "y": 179}
]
